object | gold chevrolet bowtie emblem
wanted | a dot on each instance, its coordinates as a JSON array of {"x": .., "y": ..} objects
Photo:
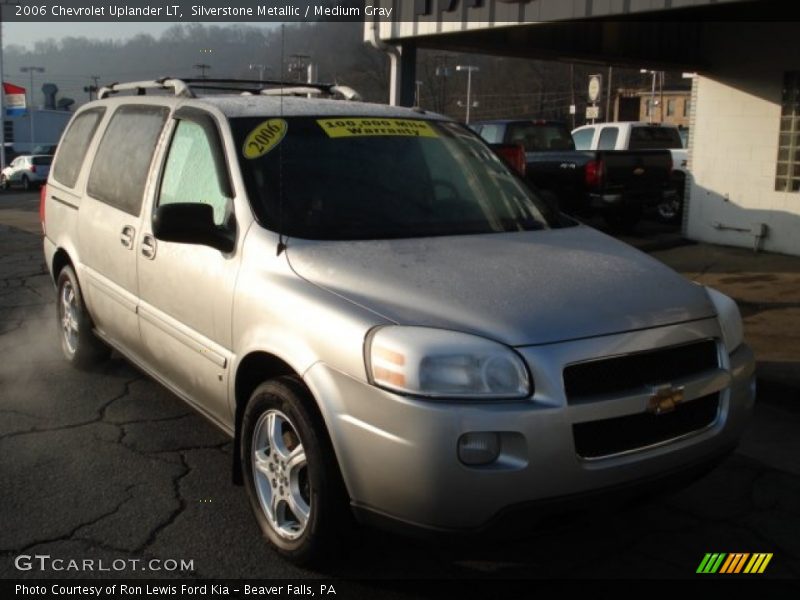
[
  {"x": 638, "y": 171},
  {"x": 664, "y": 398}
]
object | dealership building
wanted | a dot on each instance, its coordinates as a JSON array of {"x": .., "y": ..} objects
[{"x": 744, "y": 141}]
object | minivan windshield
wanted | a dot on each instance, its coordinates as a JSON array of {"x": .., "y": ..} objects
[{"x": 378, "y": 178}]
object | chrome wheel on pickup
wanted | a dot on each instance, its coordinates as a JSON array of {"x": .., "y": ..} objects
[{"x": 669, "y": 211}]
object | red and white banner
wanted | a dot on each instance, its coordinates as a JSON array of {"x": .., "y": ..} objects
[{"x": 14, "y": 100}]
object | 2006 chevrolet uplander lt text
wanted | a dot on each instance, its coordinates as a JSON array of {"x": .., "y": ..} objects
[{"x": 386, "y": 319}]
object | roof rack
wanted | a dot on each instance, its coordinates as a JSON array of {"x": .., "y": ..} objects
[
  {"x": 179, "y": 87},
  {"x": 271, "y": 87}
]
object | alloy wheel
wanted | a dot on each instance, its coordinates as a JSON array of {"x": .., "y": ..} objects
[{"x": 280, "y": 473}]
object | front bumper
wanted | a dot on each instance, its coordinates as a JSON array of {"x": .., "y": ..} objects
[{"x": 398, "y": 455}]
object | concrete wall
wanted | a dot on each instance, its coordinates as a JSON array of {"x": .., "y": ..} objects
[{"x": 734, "y": 144}]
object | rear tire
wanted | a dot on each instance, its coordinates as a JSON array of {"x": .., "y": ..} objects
[
  {"x": 26, "y": 184},
  {"x": 290, "y": 472},
  {"x": 4, "y": 184},
  {"x": 671, "y": 211},
  {"x": 78, "y": 342}
]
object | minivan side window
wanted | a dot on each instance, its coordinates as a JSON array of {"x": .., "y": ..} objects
[
  {"x": 120, "y": 168},
  {"x": 75, "y": 144},
  {"x": 189, "y": 173}
]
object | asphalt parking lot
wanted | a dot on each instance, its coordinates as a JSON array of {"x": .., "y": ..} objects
[{"x": 109, "y": 465}]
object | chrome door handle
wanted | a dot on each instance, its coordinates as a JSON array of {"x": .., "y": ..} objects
[
  {"x": 148, "y": 246},
  {"x": 126, "y": 237}
]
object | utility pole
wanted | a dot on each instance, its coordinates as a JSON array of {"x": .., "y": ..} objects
[
  {"x": 573, "y": 107},
  {"x": 652, "y": 93},
  {"x": 260, "y": 69},
  {"x": 92, "y": 89},
  {"x": 417, "y": 93},
  {"x": 202, "y": 67},
  {"x": 298, "y": 66},
  {"x": 31, "y": 109},
  {"x": 608, "y": 94},
  {"x": 443, "y": 71},
  {"x": 470, "y": 69}
]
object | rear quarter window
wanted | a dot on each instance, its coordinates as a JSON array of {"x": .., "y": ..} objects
[
  {"x": 74, "y": 145},
  {"x": 583, "y": 138},
  {"x": 654, "y": 138},
  {"x": 608, "y": 138},
  {"x": 42, "y": 161},
  {"x": 123, "y": 158}
]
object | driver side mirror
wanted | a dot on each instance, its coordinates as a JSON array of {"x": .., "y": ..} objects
[{"x": 191, "y": 223}]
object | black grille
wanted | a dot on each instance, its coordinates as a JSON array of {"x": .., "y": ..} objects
[
  {"x": 621, "y": 373},
  {"x": 612, "y": 436}
]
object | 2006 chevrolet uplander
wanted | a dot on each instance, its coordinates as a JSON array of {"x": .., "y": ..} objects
[{"x": 379, "y": 311}]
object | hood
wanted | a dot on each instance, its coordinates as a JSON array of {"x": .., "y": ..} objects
[{"x": 520, "y": 288}]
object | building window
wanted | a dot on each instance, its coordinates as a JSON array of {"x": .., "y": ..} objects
[
  {"x": 687, "y": 107},
  {"x": 787, "y": 176},
  {"x": 671, "y": 107}
]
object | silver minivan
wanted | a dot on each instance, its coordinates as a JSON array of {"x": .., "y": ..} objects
[{"x": 388, "y": 322}]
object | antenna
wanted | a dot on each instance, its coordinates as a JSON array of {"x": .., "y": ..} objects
[{"x": 281, "y": 240}]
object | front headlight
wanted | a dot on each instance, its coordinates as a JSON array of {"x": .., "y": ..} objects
[
  {"x": 729, "y": 317},
  {"x": 444, "y": 364}
]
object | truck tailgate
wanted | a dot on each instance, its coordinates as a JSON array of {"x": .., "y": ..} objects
[{"x": 636, "y": 171}]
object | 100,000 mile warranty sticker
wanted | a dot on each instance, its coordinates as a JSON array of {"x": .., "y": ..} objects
[{"x": 361, "y": 127}]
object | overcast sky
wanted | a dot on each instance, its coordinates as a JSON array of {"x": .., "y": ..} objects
[{"x": 26, "y": 34}]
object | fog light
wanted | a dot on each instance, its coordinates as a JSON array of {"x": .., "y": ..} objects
[{"x": 478, "y": 448}]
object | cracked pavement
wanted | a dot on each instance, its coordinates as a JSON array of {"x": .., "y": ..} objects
[{"x": 110, "y": 465}]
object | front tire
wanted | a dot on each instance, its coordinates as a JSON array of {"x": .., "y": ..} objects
[
  {"x": 26, "y": 184},
  {"x": 78, "y": 342},
  {"x": 290, "y": 472},
  {"x": 4, "y": 183}
]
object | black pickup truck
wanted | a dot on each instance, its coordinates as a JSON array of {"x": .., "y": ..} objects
[{"x": 618, "y": 184}]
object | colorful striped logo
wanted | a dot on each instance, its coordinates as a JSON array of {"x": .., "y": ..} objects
[{"x": 737, "y": 562}]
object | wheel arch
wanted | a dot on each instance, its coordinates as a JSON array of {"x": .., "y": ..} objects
[
  {"x": 252, "y": 370},
  {"x": 61, "y": 259}
]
